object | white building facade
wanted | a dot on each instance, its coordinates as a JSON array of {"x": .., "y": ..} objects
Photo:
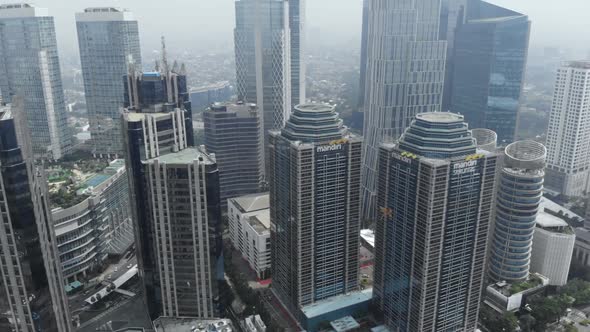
[
  {"x": 568, "y": 135},
  {"x": 553, "y": 246},
  {"x": 249, "y": 224}
]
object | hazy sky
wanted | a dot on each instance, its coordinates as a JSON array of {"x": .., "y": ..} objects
[{"x": 201, "y": 24}]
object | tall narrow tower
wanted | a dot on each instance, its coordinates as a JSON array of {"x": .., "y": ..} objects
[
  {"x": 109, "y": 41},
  {"x": 519, "y": 195},
  {"x": 265, "y": 55},
  {"x": 315, "y": 207},
  {"x": 29, "y": 67},
  {"x": 436, "y": 196},
  {"x": 404, "y": 76},
  {"x": 32, "y": 295},
  {"x": 568, "y": 136}
]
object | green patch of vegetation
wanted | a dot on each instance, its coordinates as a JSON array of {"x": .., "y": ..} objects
[
  {"x": 65, "y": 198},
  {"x": 496, "y": 322},
  {"x": 524, "y": 285},
  {"x": 579, "y": 290}
]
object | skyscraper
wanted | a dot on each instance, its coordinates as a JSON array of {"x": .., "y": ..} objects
[
  {"x": 435, "y": 200},
  {"x": 32, "y": 295},
  {"x": 405, "y": 76},
  {"x": 233, "y": 132},
  {"x": 109, "y": 41},
  {"x": 315, "y": 207},
  {"x": 519, "y": 194},
  {"x": 489, "y": 61},
  {"x": 297, "y": 28},
  {"x": 453, "y": 14},
  {"x": 364, "y": 51},
  {"x": 568, "y": 135},
  {"x": 183, "y": 207},
  {"x": 263, "y": 58},
  {"x": 158, "y": 136},
  {"x": 29, "y": 67}
]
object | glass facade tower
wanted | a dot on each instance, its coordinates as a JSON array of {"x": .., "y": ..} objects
[
  {"x": 404, "y": 76},
  {"x": 519, "y": 196},
  {"x": 435, "y": 205},
  {"x": 315, "y": 207},
  {"x": 489, "y": 62},
  {"x": 29, "y": 68},
  {"x": 109, "y": 41},
  {"x": 265, "y": 55},
  {"x": 32, "y": 296},
  {"x": 233, "y": 132}
]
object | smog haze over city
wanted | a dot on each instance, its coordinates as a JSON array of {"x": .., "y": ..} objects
[{"x": 208, "y": 24}]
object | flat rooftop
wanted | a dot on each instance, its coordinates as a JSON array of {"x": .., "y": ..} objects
[
  {"x": 185, "y": 324},
  {"x": 440, "y": 117},
  {"x": 261, "y": 221},
  {"x": 104, "y": 14},
  {"x": 550, "y": 205},
  {"x": 20, "y": 10},
  {"x": 546, "y": 220},
  {"x": 337, "y": 303},
  {"x": 253, "y": 202},
  {"x": 183, "y": 157}
]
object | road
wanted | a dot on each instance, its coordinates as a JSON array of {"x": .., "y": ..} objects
[{"x": 76, "y": 301}]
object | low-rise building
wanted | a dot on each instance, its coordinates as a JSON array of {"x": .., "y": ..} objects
[
  {"x": 504, "y": 297},
  {"x": 254, "y": 324},
  {"x": 249, "y": 225},
  {"x": 186, "y": 324},
  {"x": 98, "y": 225},
  {"x": 553, "y": 246}
]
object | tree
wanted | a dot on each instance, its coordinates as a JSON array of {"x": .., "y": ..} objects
[
  {"x": 495, "y": 322},
  {"x": 527, "y": 323}
]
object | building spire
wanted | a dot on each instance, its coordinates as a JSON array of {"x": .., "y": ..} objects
[{"x": 164, "y": 55}]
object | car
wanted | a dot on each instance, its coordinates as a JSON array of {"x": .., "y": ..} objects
[
  {"x": 366, "y": 276},
  {"x": 110, "y": 277},
  {"x": 116, "y": 269},
  {"x": 129, "y": 266}
]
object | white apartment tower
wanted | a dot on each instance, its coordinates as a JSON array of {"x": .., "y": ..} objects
[{"x": 568, "y": 136}]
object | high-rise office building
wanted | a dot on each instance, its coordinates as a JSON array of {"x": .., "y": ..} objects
[
  {"x": 568, "y": 135},
  {"x": 488, "y": 63},
  {"x": 297, "y": 29},
  {"x": 29, "y": 67},
  {"x": 315, "y": 207},
  {"x": 158, "y": 136},
  {"x": 520, "y": 191},
  {"x": 183, "y": 207},
  {"x": 435, "y": 201},
  {"x": 452, "y": 16},
  {"x": 233, "y": 132},
  {"x": 404, "y": 76},
  {"x": 262, "y": 39},
  {"x": 109, "y": 41},
  {"x": 32, "y": 296},
  {"x": 364, "y": 51}
]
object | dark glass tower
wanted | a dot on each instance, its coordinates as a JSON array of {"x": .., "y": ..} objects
[
  {"x": 315, "y": 207},
  {"x": 32, "y": 297},
  {"x": 489, "y": 61},
  {"x": 233, "y": 132},
  {"x": 435, "y": 202},
  {"x": 158, "y": 124}
]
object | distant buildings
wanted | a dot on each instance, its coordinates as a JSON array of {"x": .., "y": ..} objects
[
  {"x": 553, "y": 246},
  {"x": 436, "y": 196},
  {"x": 488, "y": 62},
  {"x": 404, "y": 76},
  {"x": 172, "y": 324},
  {"x": 99, "y": 226},
  {"x": 202, "y": 97},
  {"x": 568, "y": 135},
  {"x": 233, "y": 132},
  {"x": 29, "y": 68},
  {"x": 109, "y": 41},
  {"x": 263, "y": 58},
  {"x": 32, "y": 296},
  {"x": 314, "y": 208},
  {"x": 520, "y": 191},
  {"x": 249, "y": 228}
]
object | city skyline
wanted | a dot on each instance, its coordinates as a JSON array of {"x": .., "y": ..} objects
[{"x": 323, "y": 27}]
